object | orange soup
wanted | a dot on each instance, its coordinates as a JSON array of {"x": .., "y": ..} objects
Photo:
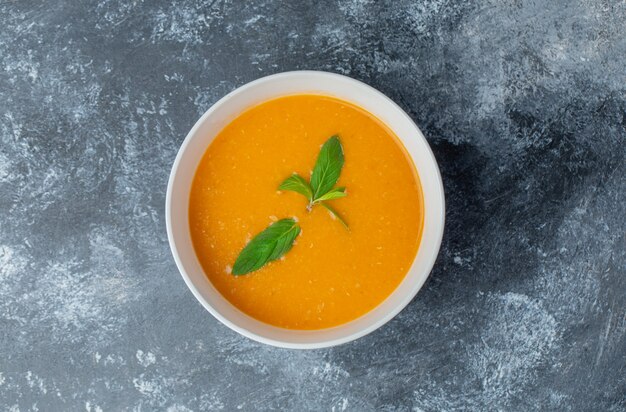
[{"x": 331, "y": 275}]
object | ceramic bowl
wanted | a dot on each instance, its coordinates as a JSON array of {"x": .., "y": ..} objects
[{"x": 223, "y": 112}]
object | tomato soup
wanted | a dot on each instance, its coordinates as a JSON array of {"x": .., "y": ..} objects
[{"x": 331, "y": 275}]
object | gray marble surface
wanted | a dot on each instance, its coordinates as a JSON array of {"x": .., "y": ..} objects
[{"x": 523, "y": 102}]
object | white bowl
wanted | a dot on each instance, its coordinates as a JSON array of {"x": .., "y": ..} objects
[{"x": 223, "y": 112}]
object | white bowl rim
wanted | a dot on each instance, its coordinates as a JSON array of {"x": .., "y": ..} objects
[{"x": 436, "y": 240}]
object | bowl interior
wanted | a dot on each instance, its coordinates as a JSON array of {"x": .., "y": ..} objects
[{"x": 224, "y": 111}]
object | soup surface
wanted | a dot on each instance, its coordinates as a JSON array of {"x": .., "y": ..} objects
[{"x": 331, "y": 275}]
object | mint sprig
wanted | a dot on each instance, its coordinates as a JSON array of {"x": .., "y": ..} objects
[{"x": 324, "y": 177}]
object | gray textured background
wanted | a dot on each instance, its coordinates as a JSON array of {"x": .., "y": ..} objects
[{"x": 523, "y": 102}]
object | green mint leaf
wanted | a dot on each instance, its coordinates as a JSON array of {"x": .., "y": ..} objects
[
  {"x": 327, "y": 168},
  {"x": 333, "y": 194},
  {"x": 270, "y": 244},
  {"x": 336, "y": 215},
  {"x": 296, "y": 183}
]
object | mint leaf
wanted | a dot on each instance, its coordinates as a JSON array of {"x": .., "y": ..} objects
[
  {"x": 270, "y": 244},
  {"x": 296, "y": 183},
  {"x": 327, "y": 168},
  {"x": 336, "y": 215},
  {"x": 333, "y": 194}
]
